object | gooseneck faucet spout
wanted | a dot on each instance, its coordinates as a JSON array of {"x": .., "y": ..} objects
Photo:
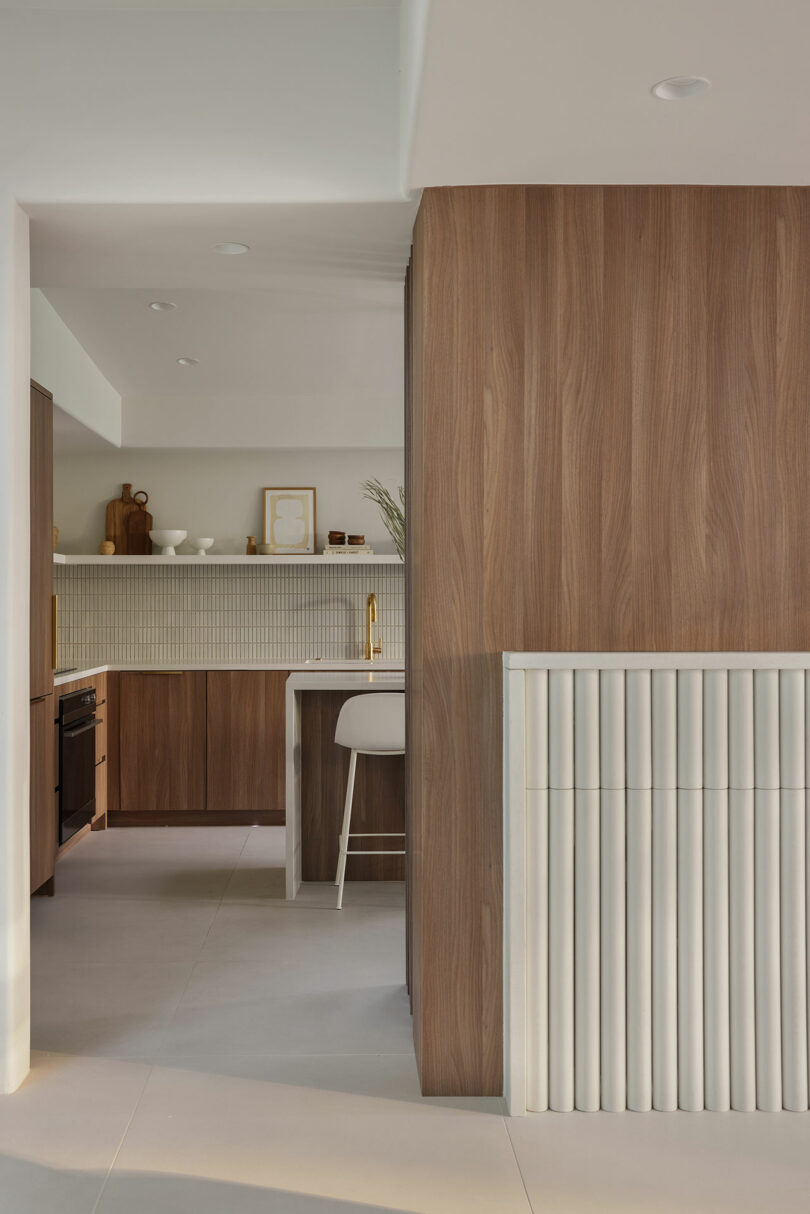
[{"x": 371, "y": 618}]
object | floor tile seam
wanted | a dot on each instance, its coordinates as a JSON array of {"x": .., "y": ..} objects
[
  {"x": 231, "y": 875},
  {"x": 195, "y": 962},
  {"x": 130, "y": 1119},
  {"x": 510, "y": 1140}
]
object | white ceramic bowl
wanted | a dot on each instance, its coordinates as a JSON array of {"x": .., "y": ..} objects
[
  {"x": 167, "y": 540},
  {"x": 201, "y": 546}
]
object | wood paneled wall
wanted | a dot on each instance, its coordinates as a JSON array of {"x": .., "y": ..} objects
[{"x": 608, "y": 448}]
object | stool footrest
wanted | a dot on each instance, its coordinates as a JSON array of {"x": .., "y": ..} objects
[
  {"x": 376, "y": 834},
  {"x": 375, "y": 853}
]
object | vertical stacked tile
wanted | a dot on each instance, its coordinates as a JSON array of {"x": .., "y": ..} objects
[{"x": 224, "y": 614}]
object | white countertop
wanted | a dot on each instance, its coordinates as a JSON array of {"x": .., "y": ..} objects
[
  {"x": 317, "y": 669},
  {"x": 345, "y": 680}
]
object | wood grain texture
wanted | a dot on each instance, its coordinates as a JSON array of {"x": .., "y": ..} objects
[
  {"x": 123, "y": 511},
  {"x": 414, "y": 530},
  {"x": 41, "y": 487},
  {"x": 608, "y": 437},
  {"x": 379, "y": 797},
  {"x": 162, "y": 742},
  {"x": 43, "y": 825},
  {"x": 246, "y": 753},
  {"x": 407, "y": 344},
  {"x": 113, "y": 711},
  {"x": 197, "y": 817}
]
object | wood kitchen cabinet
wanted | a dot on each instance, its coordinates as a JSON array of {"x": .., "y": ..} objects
[
  {"x": 41, "y": 811},
  {"x": 41, "y": 603},
  {"x": 245, "y": 742},
  {"x": 162, "y": 743},
  {"x": 43, "y": 824}
]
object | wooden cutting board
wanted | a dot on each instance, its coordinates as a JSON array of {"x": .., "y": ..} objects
[
  {"x": 139, "y": 524},
  {"x": 117, "y": 524}
]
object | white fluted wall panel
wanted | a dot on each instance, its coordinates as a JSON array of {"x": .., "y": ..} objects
[{"x": 666, "y": 883}]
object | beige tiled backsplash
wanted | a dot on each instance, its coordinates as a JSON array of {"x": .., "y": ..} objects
[{"x": 222, "y": 614}]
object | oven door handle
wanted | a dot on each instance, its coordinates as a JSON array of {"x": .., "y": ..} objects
[{"x": 74, "y": 733}]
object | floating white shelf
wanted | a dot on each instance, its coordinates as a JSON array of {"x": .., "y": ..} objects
[{"x": 62, "y": 559}]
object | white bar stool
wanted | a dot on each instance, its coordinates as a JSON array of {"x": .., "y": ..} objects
[{"x": 371, "y": 724}]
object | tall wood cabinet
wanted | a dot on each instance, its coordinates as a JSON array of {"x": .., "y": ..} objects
[{"x": 42, "y": 806}]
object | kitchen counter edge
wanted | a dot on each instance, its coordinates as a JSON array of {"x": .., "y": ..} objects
[{"x": 321, "y": 668}]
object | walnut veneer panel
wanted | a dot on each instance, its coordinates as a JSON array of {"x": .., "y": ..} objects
[
  {"x": 113, "y": 712},
  {"x": 43, "y": 781},
  {"x": 41, "y": 626},
  {"x": 609, "y": 443},
  {"x": 162, "y": 741},
  {"x": 379, "y": 797},
  {"x": 246, "y": 755}
]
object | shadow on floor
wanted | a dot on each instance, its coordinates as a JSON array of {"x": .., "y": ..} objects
[
  {"x": 184, "y": 883},
  {"x": 31, "y": 1188}
]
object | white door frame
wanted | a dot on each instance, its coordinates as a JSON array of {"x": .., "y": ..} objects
[{"x": 15, "y": 953}]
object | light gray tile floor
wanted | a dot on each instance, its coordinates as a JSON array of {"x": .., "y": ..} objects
[{"x": 203, "y": 1046}]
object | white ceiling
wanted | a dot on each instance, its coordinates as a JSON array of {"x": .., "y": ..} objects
[
  {"x": 558, "y": 91},
  {"x": 299, "y": 340},
  {"x": 286, "y": 105},
  {"x": 248, "y": 342},
  {"x": 312, "y": 245},
  {"x": 276, "y": 368},
  {"x": 140, "y": 132},
  {"x": 203, "y": 6}
]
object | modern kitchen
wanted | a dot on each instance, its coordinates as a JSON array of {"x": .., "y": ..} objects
[
  {"x": 200, "y": 615},
  {"x": 209, "y": 668}
]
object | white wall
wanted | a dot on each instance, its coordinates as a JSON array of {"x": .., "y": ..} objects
[
  {"x": 219, "y": 492},
  {"x": 413, "y": 23},
  {"x": 62, "y": 366},
  {"x": 14, "y": 688}
]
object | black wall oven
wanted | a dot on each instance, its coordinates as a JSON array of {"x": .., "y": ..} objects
[{"x": 77, "y": 760}]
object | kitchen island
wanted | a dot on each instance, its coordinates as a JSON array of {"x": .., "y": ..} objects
[{"x": 327, "y": 679}]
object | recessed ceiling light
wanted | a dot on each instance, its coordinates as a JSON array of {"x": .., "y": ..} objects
[
  {"x": 188, "y": 362},
  {"x": 230, "y": 248},
  {"x": 162, "y": 305},
  {"x": 678, "y": 88}
]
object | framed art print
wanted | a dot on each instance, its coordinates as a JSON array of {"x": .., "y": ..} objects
[{"x": 289, "y": 521}]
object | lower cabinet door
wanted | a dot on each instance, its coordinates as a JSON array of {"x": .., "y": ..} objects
[
  {"x": 246, "y": 719},
  {"x": 42, "y": 804},
  {"x": 162, "y": 741}
]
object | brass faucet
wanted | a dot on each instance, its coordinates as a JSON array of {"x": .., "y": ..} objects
[{"x": 371, "y": 618}]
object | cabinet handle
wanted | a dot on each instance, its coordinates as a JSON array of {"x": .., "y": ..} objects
[
  {"x": 54, "y": 632},
  {"x": 155, "y": 672}
]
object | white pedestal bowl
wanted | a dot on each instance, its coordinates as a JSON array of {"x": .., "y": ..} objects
[{"x": 167, "y": 540}]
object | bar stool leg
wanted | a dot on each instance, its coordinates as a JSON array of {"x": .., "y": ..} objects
[{"x": 344, "y": 834}]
